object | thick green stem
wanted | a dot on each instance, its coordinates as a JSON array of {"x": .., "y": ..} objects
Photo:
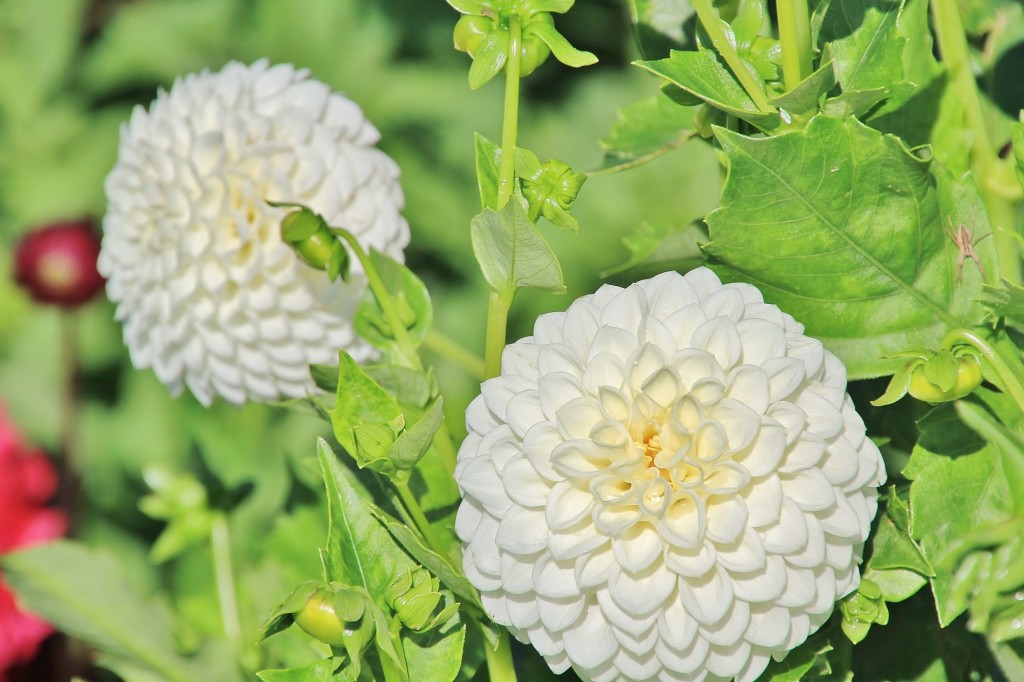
[
  {"x": 1011, "y": 382},
  {"x": 497, "y": 322},
  {"x": 452, "y": 351},
  {"x": 989, "y": 171},
  {"x": 224, "y": 574},
  {"x": 710, "y": 21},
  {"x": 795, "y": 37},
  {"x": 510, "y": 121},
  {"x": 499, "y": 660}
]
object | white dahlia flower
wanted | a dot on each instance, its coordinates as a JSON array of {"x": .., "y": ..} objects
[
  {"x": 209, "y": 295},
  {"x": 667, "y": 482}
]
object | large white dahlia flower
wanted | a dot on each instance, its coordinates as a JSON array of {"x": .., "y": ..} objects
[
  {"x": 667, "y": 482},
  {"x": 209, "y": 295}
]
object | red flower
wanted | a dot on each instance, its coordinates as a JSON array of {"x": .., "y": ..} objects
[
  {"x": 56, "y": 264},
  {"x": 27, "y": 482}
]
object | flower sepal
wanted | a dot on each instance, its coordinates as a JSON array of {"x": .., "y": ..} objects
[
  {"x": 935, "y": 376},
  {"x": 314, "y": 242},
  {"x": 550, "y": 188},
  {"x": 862, "y": 609}
]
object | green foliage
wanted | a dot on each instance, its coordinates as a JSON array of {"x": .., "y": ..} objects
[
  {"x": 98, "y": 603},
  {"x": 512, "y": 253}
]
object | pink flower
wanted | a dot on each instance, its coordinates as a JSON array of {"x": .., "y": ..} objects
[
  {"x": 27, "y": 482},
  {"x": 56, "y": 264}
]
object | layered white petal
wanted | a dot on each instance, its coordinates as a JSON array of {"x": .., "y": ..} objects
[
  {"x": 668, "y": 482},
  {"x": 208, "y": 294}
]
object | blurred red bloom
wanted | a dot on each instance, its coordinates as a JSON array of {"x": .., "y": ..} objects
[
  {"x": 56, "y": 264},
  {"x": 27, "y": 482}
]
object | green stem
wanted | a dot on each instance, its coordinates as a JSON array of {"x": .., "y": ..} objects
[
  {"x": 386, "y": 302},
  {"x": 510, "y": 122},
  {"x": 710, "y": 21},
  {"x": 220, "y": 545},
  {"x": 989, "y": 171},
  {"x": 412, "y": 506},
  {"x": 450, "y": 350},
  {"x": 1010, "y": 380},
  {"x": 497, "y": 322},
  {"x": 499, "y": 660},
  {"x": 795, "y": 37}
]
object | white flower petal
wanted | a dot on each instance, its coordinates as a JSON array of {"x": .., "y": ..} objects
[{"x": 672, "y": 477}]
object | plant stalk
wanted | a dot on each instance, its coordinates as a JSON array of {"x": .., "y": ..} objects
[
  {"x": 451, "y": 350},
  {"x": 500, "y": 667},
  {"x": 1010, "y": 380},
  {"x": 220, "y": 545},
  {"x": 795, "y": 36},
  {"x": 710, "y": 21},
  {"x": 510, "y": 119},
  {"x": 497, "y": 323}
]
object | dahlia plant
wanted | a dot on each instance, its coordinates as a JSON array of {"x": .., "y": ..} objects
[{"x": 782, "y": 443}]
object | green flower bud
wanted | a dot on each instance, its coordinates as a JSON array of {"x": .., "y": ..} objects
[
  {"x": 314, "y": 243},
  {"x": 414, "y": 596},
  {"x": 966, "y": 377},
  {"x": 862, "y": 609},
  {"x": 470, "y": 32},
  {"x": 337, "y": 616}
]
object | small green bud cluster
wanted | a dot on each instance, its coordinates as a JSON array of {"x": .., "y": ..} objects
[
  {"x": 862, "y": 609},
  {"x": 314, "y": 242},
  {"x": 415, "y": 596},
  {"x": 486, "y": 29}
]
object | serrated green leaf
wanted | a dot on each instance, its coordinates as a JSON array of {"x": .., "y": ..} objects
[
  {"x": 644, "y": 131},
  {"x": 702, "y": 75},
  {"x": 841, "y": 227},
  {"x": 854, "y": 102},
  {"x": 660, "y": 248},
  {"x": 409, "y": 387},
  {"x": 414, "y": 442},
  {"x": 560, "y": 47},
  {"x": 488, "y": 159},
  {"x": 511, "y": 253},
  {"x": 1017, "y": 130},
  {"x": 85, "y": 593},
  {"x": 1005, "y": 300}
]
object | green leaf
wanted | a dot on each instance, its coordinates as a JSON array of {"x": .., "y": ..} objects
[
  {"x": 556, "y": 6},
  {"x": 646, "y": 130},
  {"x": 1005, "y": 300},
  {"x": 361, "y": 402},
  {"x": 488, "y": 159},
  {"x": 511, "y": 253},
  {"x": 702, "y": 75},
  {"x": 410, "y": 388},
  {"x": 86, "y": 594},
  {"x": 865, "y": 43},
  {"x": 801, "y": 662},
  {"x": 560, "y": 47},
  {"x": 361, "y": 552},
  {"x": 659, "y": 248},
  {"x": 841, "y": 227},
  {"x": 806, "y": 96},
  {"x": 283, "y": 616},
  {"x": 317, "y": 671},
  {"x": 957, "y": 488},
  {"x": 1017, "y": 130},
  {"x": 490, "y": 59},
  {"x": 660, "y": 24},
  {"x": 414, "y": 441}
]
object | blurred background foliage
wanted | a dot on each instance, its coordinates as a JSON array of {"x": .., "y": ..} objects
[{"x": 70, "y": 73}]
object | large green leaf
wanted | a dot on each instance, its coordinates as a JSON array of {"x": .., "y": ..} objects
[
  {"x": 86, "y": 594},
  {"x": 843, "y": 229},
  {"x": 958, "y": 489}
]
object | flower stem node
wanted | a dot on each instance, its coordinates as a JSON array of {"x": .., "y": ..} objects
[
  {"x": 415, "y": 596},
  {"x": 665, "y": 482}
]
